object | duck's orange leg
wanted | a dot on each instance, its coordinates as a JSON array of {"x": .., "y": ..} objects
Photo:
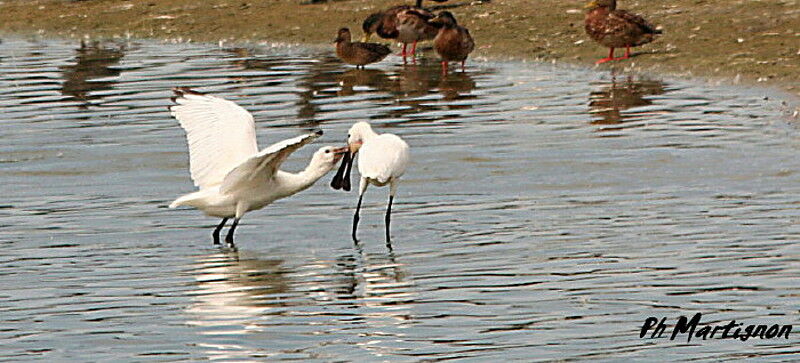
[
  {"x": 444, "y": 67},
  {"x": 414, "y": 48},
  {"x": 403, "y": 53},
  {"x": 627, "y": 53},
  {"x": 606, "y": 59}
]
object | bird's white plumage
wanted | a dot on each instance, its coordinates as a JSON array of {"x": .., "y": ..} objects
[
  {"x": 261, "y": 167},
  {"x": 220, "y": 133},
  {"x": 383, "y": 158},
  {"x": 233, "y": 176}
]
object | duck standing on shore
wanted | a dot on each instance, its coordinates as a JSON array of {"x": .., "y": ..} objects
[
  {"x": 453, "y": 42},
  {"x": 404, "y": 23},
  {"x": 615, "y": 28},
  {"x": 358, "y": 53}
]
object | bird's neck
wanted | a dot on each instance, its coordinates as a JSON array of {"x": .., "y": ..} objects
[{"x": 296, "y": 182}]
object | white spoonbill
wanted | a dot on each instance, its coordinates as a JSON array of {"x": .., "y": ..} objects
[
  {"x": 233, "y": 176},
  {"x": 382, "y": 160}
]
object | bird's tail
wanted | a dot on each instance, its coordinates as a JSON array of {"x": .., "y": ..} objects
[{"x": 188, "y": 200}]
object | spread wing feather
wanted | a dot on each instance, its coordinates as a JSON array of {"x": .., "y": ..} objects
[
  {"x": 220, "y": 133},
  {"x": 261, "y": 167}
]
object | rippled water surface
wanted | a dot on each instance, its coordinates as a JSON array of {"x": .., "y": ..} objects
[{"x": 547, "y": 213}]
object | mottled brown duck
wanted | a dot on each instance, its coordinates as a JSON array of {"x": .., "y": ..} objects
[
  {"x": 616, "y": 28},
  {"x": 404, "y": 23},
  {"x": 358, "y": 53},
  {"x": 453, "y": 42}
]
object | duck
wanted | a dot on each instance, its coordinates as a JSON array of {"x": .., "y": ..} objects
[
  {"x": 616, "y": 28},
  {"x": 413, "y": 26},
  {"x": 453, "y": 42},
  {"x": 358, "y": 53},
  {"x": 404, "y": 23}
]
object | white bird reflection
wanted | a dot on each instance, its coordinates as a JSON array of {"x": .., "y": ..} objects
[{"x": 241, "y": 298}]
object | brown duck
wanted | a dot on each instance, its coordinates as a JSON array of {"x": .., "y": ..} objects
[
  {"x": 405, "y": 23},
  {"x": 616, "y": 28},
  {"x": 453, "y": 42},
  {"x": 358, "y": 53}
]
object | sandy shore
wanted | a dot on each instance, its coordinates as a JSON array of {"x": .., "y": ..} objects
[{"x": 749, "y": 41}]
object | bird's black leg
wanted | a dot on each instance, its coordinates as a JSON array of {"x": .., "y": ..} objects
[
  {"x": 356, "y": 217},
  {"x": 229, "y": 236},
  {"x": 215, "y": 234},
  {"x": 389, "y": 218}
]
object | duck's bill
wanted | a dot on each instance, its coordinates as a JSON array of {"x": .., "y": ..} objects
[
  {"x": 591, "y": 4},
  {"x": 337, "y": 182}
]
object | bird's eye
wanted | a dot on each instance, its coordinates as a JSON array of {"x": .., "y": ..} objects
[{"x": 327, "y": 151}]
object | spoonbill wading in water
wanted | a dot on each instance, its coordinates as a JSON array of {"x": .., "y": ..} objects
[
  {"x": 382, "y": 160},
  {"x": 233, "y": 176}
]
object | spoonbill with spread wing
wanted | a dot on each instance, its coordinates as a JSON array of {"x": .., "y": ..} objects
[
  {"x": 382, "y": 160},
  {"x": 233, "y": 176}
]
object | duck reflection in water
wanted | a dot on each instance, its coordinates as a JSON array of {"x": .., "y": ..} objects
[
  {"x": 408, "y": 85},
  {"x": 314, "y": 84},
  {"x": 246, "y": 58},
  {"x": 608, "y": 103},
  {"x": 92, "y": 61},
  {"x": 354, "y": 79}
]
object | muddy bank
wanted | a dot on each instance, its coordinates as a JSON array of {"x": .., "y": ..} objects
[{"x": 743, "y": 40}]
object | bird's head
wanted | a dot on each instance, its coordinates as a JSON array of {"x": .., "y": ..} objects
[
  {"x": 343, "y": 36},
  {"x": 444, "y": 19},
  {"x": 370, "y": 25},
  {"x": 608, "y": 4},
  {"x": 355, "y": 137},
  {"x": 328, "y": 156}
]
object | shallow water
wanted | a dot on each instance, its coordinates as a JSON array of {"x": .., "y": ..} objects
[{"x": 547, "y": 213}]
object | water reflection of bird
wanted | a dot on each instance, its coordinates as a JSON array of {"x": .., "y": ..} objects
[
  {"x": 314, "y": 82},
  {"x": 234, "y": 293},
  {"x": 612, "y": 99},
  {"x": 233, "y": 176},
  {"x": 92, "y": 61},
  {"x": 415, "y": 80},
  {"x": 245, "y": 59},
  {"x": 237, "y": 286},
  {"x": 354, "y": 78},
  {"x": 456, "y": 85},
  {"x": 382, "y": 160},
  {"x": 616, "y": 28}
]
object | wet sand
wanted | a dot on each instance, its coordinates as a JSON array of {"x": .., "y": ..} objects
[{"x": 753, "y": 42}]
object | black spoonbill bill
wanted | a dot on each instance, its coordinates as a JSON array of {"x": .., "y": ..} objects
[
  {"x": 382, "y": 160},
  {"x": 233, "y": 176}
]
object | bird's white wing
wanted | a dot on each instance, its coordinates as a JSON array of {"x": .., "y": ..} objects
[
  {"x": 261, "y": 167},
  {"x": 384, "y": 157},
  {"x": 220, "y": 133}
]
